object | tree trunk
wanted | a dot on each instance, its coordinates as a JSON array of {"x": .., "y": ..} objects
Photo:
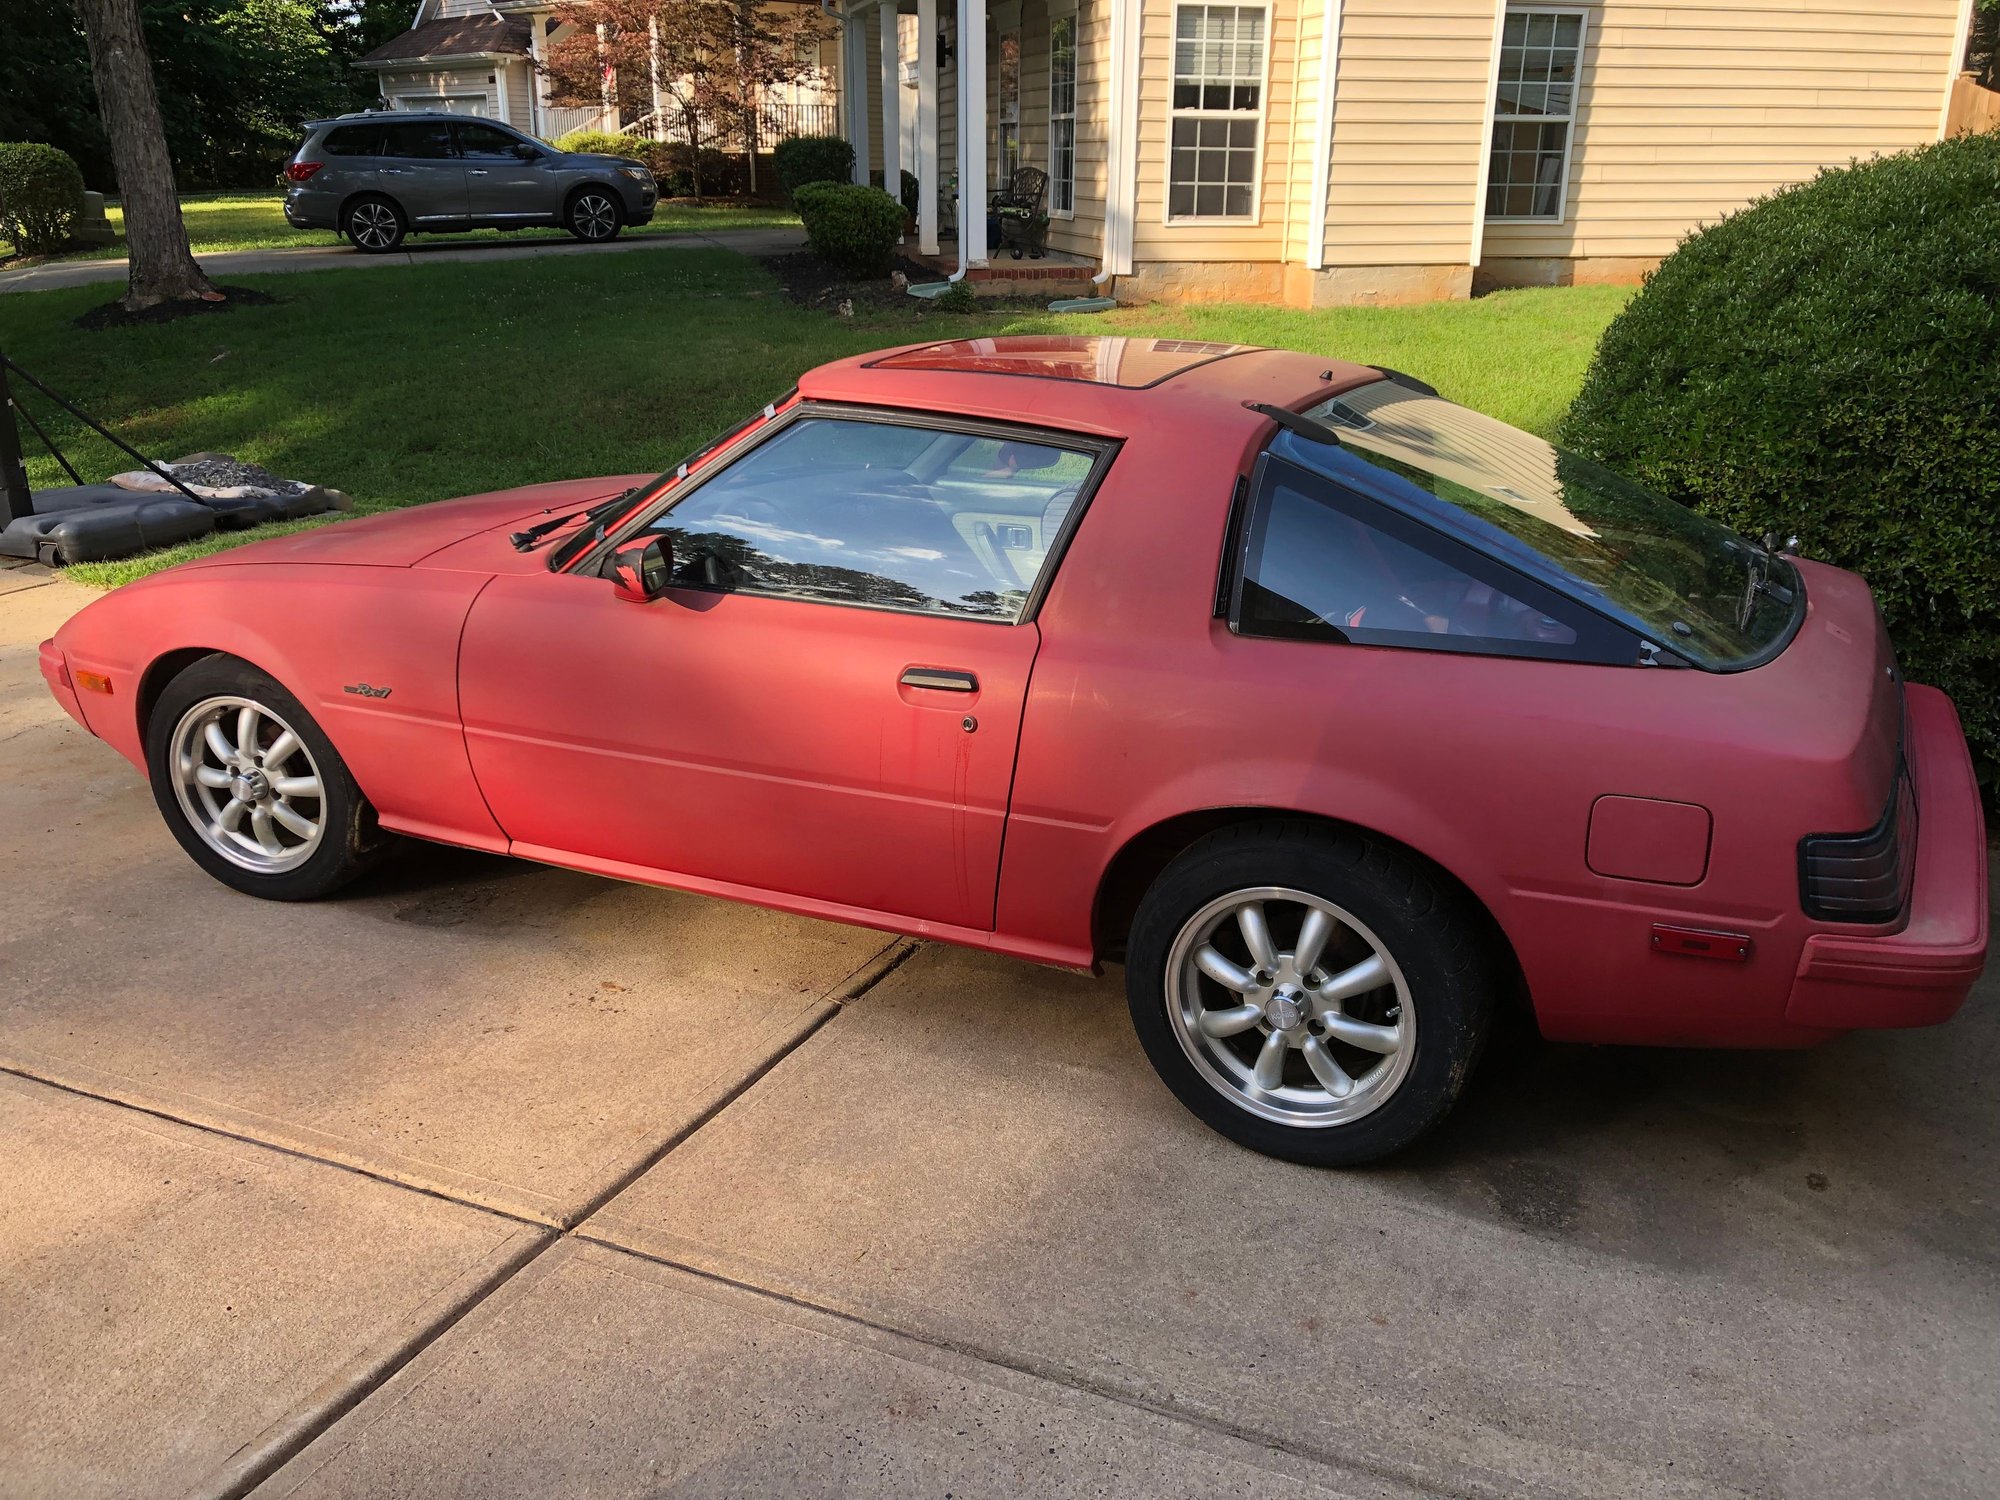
[{"x": 161, "y": 267}]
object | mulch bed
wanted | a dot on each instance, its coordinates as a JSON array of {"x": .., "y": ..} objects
[
  {"x": 111, "y": 315},
  {"x": 812, "y": 282}
]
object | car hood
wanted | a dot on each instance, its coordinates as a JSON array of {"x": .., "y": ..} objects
[{"x": 404, "y": 538}]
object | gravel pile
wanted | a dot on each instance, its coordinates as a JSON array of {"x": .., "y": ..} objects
[{"x": 223, "y": 473}]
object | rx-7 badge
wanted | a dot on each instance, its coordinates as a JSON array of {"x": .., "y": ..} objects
[{"x": 365, "y": 691}]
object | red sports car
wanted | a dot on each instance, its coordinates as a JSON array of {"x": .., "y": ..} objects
[{"x": 1340, "y": 713}]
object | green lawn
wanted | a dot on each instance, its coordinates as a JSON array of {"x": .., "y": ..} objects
[
  {"x": 415, "y": 383},
  {"x": 256, "y": 221}
]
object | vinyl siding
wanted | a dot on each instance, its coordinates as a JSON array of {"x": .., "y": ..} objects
[
  {"x": 1689, "y": 111},
  {"x": 1259, "y": 238},
  {"x": 520, "y": 78},
  {"x": 1409, "y": 129}
]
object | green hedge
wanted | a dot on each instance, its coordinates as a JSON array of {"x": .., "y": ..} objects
[
  {"x": 855, "y": 227},
  {"x": 1827, "y": 363},
  {"x": 601, "y": 143},
  {"x": 41, "y": 196},
  {"x": 801, "y": 159}
]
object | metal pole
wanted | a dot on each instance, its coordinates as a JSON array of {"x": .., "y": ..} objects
[
  {"x": 15, "y": 499},
  {"x": 95, "y": 426}
]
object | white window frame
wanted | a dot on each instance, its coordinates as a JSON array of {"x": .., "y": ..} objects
[
  {"x": 1255, "y": 216},
  {"x": 1494, "y": 117},
  {"x": 1060, "y": 14}
]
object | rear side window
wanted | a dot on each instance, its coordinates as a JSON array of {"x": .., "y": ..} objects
[
  {"x": 1322, "y": 564},
  {"x": 353, "y": 140},
  {"x": 423, "y": 139}
]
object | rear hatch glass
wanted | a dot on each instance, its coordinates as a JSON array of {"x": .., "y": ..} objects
[{"x": 1678, "y": 578}]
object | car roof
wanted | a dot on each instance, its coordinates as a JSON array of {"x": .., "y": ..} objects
[{"x": 1105, "y": 384}]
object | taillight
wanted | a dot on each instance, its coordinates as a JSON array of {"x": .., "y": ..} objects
[
  {"x": 300, "y": 171},
  {"x": 1862, "y": 877}
]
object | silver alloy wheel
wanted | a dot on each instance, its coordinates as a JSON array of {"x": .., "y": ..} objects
[
  {"x": 1290, "y": 1007},
  {"x": 594, "y": 216},
  {"x": 248, "y": 784},
  {"x": 373, "y": 225}
]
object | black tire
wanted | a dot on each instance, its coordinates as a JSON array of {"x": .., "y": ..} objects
[
  {"x": 374, "y": 225},
  {"x": 1430, "y": 938},
  {"x": 594, "y": 215},
  {"x": 348, "y": 840}
]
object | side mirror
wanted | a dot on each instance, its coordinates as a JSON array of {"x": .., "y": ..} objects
[
  {"x": 641, "y": 571},
  {"x": 526, "y": 152}
]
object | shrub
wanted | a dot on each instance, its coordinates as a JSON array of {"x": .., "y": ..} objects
[
  {"x": 603, "y": 143},
  {"x": 811, "y": 158},
  {"x": 1827, "y": 363},
  {"x": 41, "y": 196},
  {"x": 910, "y": 193},
  {"x": 959, "y": 297},
  {"x": 855, "y": 227}
]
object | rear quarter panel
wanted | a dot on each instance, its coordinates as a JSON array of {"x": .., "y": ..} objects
[
  {"x": 1144, "y": 706},
  {"x": 318, "y": 629}
]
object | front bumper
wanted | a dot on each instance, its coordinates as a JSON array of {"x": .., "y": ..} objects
[
  {"x": 56, "y": 674},
  {"x": 1920, "y": 975}
]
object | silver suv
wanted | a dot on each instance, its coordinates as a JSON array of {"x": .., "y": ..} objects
[{"x": 378, "y": 176}]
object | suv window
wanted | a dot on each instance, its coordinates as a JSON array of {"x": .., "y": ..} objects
[
  {"x": 353, "y": 140},
  {"x": 1320, "y": 563},
  {"x": 889, "y": 515},
  {"x": 483, "y": 140},
  {"x": 427, "y": 140}
]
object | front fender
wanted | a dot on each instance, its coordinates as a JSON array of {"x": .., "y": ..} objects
[{"x": 324, "y": 632}]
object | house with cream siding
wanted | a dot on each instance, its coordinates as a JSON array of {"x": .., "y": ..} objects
[{"x": 1320, "y": 152}]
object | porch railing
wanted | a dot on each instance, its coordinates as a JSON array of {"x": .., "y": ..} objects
[{"x": 775, "y": 120}]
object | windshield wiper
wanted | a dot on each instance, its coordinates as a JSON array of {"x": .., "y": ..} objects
[{"x": 525, "y": 541}]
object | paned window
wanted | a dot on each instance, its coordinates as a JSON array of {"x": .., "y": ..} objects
[
  {"x": 1218, "y": 110},
  {"x": 1534, "y": 114},
  {"x": 1062, "y": 115}
]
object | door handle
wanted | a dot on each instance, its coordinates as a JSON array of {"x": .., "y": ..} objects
[
  {"x": 943, "y": 679},
  {"x": 475, "y": 171}
]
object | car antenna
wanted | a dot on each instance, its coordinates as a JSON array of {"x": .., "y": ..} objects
[{"x": 1291, "y": 421}]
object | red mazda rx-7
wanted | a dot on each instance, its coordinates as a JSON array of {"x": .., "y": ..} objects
[{"x": 1339, "y": 713}]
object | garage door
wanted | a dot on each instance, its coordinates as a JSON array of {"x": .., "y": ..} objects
[{"x": 457, "y": 104}]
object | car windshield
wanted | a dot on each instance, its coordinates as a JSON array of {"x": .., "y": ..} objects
[{"x": 1680, "y": 579}]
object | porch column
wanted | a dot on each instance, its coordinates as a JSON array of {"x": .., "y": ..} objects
[
  {"x": 892, "y": 98},
  {"x": 854, "y": 86},
  {"x": 972, "y": 131},
  {"x": 535, "y": 83},
  {"x": 659, "y": 130},
  {"x": 927, "y": 127}
]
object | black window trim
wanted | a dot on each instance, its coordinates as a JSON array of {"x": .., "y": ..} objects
[
  {"x": 1104, "y": 449},
  {"x": 1600, "y": 641}
]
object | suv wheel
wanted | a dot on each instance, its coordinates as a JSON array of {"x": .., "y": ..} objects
[
  {"x": 375, "y": 226},
  {"x": 1310, "y": 994},
  {"x": 594, "y": 216}
]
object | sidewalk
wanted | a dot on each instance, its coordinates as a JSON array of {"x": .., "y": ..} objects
[{"x": 436, "y": 250}]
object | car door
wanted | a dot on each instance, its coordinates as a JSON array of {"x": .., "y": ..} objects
[
  {"x": 420, "y": 169},
  {"x": 825, "y": 702},
  {"x": 500, "y": 184}
]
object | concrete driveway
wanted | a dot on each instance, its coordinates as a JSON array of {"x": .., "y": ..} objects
[{"x": 494, "y": 1180}]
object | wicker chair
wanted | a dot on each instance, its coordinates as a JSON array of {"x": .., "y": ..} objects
[{"x": 1021, "y": 210}]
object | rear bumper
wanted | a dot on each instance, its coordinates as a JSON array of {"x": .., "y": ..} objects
[{"x": 1920, "y": 975}]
